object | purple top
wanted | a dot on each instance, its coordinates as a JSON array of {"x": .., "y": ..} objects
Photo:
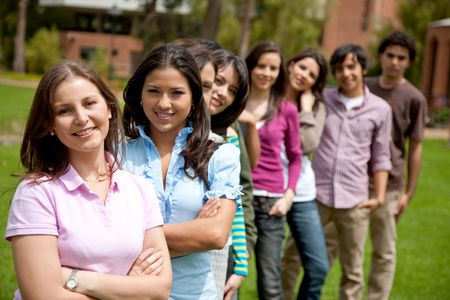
[
  {"x": 353, "y": 143},
  {"x": 282, "y": 129}
]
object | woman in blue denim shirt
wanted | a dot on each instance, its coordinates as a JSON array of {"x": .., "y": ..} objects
[{"x": 168, "y": 125}]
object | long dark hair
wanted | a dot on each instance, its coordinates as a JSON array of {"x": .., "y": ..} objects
[
  {"x": 319, "y": 85},
  {"x": 199, "y": 148},
  {"x": 221, "y": 121},
  {"x": 276, "y": 91},
  {"x": 43, "y": 154}
]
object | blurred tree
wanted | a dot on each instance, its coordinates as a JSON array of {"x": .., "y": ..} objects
[
  {"x": 159, "y": 27},
  {"x": 37, "y": 17},
  {"x": 8, "y": 13},
  {"x": 415, "y": 16},
  {"x": 145, "y": 28},
  {"x": 211, "y": 19},
  {"x": 43, "y": 50},
  {"x": 245, "y": 28},
  {"x": 295, "y": 25},
  {"x": 19, "y": 40},
  {"x": 100, "y": 62}
]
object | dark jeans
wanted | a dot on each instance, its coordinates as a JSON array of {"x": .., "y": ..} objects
[
  {"x": 268, "y": 248},
  {"x": 304, "y": 222}
]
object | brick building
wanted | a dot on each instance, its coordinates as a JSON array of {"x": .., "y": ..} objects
[
  {"x": 435, "y": 83},
  {"x": 355, "y": 21},
  {"x": 102, "y": 24}
]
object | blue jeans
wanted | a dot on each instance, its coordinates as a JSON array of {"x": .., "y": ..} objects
[
  {"x": 268, "y": 249},
  {"x": 306, "y": 228}
]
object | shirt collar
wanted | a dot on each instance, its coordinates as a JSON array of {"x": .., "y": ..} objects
[
  {"x": 337, "y": 94},
  {"x": 181, "y": 137},
  {"x": 72, "y": 180}
]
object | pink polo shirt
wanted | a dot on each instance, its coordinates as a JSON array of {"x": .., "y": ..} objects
[{"x": 92, "y": 236}]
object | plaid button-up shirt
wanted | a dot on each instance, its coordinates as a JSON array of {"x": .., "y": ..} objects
[{"x": 353, "y": 143}]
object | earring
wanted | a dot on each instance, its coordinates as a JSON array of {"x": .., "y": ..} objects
[
  {"x": 142, "y": 105},
  {"x": 52, "y": 133}
]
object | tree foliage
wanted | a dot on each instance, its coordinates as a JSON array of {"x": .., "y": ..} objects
[
  {"x": 415, "y": 17},
  {"x": 295, "y": 25},
  {"x": 19, "y": 39},
  {"x": 43, "y": 50},
  {"x": 37, "y": 17}
]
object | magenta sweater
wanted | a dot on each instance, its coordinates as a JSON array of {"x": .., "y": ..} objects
[{"x": 282, "y": 129}]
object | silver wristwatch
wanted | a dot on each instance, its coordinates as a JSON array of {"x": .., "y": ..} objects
[{"x": 72, "y": 281}]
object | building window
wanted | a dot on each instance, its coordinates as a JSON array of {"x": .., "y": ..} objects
[{"x": 87, "y": 54}]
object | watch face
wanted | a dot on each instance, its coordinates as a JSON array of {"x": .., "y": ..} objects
[{"x": 72, "y": 283}]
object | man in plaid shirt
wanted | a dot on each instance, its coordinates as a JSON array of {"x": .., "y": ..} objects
[{"x": 355, "y": 141}]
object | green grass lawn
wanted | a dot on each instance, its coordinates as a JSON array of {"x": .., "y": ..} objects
[
  {"x": 424, "y": 235},
  {"x": 15, "y": 103},
  {"x": 423, "y": 268},
  {"x": 9, "y": 158}
]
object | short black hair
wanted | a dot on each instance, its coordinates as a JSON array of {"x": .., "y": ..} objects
[
  {"x": 402, "y": 39},
  {"x": 339, "y": 55}
]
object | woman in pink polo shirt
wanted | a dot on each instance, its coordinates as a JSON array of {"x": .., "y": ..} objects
[{"x": 78, "y": 223}]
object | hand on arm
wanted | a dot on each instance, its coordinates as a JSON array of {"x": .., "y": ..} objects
[
  {"x": 414, "y": 160},
  {"x": 307, "y": 101},
  {"x": 149, "y": 262},
  {"x": 380, "y": 180},
  {"x": 210, "y": 209},
  {"x": 282, "y": 205},
  {"x": 141, "y": 285}
]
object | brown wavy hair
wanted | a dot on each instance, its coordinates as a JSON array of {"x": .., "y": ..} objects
[
  {"x": 43, "y": 154},
  {"x": 319, "y": 85},
  {"x": 276, "y": 91}
]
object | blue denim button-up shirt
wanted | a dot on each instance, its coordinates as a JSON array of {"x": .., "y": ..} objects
[{"x": 182, "y": 198}]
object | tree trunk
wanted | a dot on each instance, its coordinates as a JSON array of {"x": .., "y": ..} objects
[
  {"x": 148, "y": 24},
  {"x": 19, "y": 40},
  {"x": 245, "y": 30},
  {"x": 211, "y": 20}
]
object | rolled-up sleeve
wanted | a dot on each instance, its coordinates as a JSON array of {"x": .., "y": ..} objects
[
  {"x": 223, "y": 174},
  {"x": 381, "y": 155}
]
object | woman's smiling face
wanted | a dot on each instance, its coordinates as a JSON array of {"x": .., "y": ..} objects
[
  {"x": 224, "y": 90},
  {"x": 166, "y": 100}
]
